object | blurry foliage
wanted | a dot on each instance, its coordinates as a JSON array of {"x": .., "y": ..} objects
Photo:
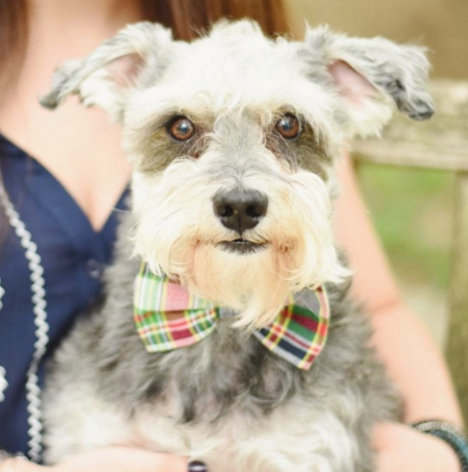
[{"x": 412, "y": 212}]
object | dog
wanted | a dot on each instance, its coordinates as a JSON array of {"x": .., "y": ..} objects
[{"x": 234, "y": 140}]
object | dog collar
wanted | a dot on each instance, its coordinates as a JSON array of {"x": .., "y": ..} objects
[{"x": 168, "y": 317}]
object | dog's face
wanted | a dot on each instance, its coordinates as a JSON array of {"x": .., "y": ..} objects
[{"x": 234, "y": 139}]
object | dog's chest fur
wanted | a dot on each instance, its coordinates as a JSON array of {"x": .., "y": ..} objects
[{"x": 226, "y": 400}]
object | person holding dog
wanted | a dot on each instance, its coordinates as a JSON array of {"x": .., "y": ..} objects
[{"x": 85, "y": 184}]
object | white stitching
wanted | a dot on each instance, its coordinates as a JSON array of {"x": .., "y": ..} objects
[
  {"x": 3, "y": 383},
  {"x": 40, "y": 320},
  {"x": 2, "y": 292}
]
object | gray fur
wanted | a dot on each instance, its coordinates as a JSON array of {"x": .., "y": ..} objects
[{"x": 241, "y": 376}]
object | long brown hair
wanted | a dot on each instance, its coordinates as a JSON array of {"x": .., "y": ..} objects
[
  {"x": 13, "y": 38},
  {"x": 187, "y": 18}
]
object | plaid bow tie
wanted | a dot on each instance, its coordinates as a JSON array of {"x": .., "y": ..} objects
[{"x": 168, "y": 317}]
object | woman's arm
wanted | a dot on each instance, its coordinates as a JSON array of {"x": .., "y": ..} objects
[
  {"x": 410, "y": 355},
  {"x": 110, "y": 459},
  {"x": 412, "y": 358}
]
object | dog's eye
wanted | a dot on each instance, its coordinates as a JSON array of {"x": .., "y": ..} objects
[
  {"x": 181, "y": 128},
  {"x": 288, "y": 126}
]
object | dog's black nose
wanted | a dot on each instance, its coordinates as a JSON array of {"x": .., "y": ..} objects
[{"x": 240, "y": 209}]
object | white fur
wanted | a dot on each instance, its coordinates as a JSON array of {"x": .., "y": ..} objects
[{"x": 178, "y": 232}]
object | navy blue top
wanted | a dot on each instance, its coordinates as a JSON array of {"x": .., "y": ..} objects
[{"x": 73, "y": 256}]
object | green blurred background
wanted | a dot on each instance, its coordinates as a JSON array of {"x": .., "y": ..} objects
[{"x": 411, "y": 209}]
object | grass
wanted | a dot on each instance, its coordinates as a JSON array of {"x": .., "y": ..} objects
[{"x": 412, "y": 211}]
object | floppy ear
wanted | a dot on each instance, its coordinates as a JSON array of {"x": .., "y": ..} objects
[
  {"x": 370, "y": 74},
  {"x": 128, "y": 60}
]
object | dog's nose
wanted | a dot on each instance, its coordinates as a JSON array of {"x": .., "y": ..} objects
[{"x": 240, "y": 209}]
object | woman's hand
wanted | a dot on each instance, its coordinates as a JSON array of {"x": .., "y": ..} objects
[
  {"x": 401, "y": 448},
  {"x": 110, "y": 459}
]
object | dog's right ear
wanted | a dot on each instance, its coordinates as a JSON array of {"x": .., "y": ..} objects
[
  {"x": 370, "y": 74},
  {"x": 126, "y": 61}
]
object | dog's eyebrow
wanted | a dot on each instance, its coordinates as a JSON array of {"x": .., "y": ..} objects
[{"x": 162, "y": 121}]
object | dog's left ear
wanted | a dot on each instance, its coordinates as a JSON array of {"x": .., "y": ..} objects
[
  {"x": 368, "y": 73},
  {"x": 121, "y": 63}
]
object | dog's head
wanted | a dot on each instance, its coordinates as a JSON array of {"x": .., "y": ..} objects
[{"x": 234, "y": 139}]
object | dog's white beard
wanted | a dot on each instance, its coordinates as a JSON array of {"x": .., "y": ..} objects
[{"x": 179, "y": 233}]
